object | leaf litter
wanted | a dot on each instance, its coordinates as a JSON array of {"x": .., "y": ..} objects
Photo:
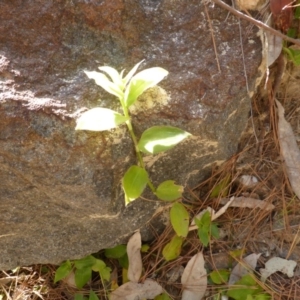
[
  {"x": 247, "y": 264},
  {"x": 289, "y": 150},
  {"x": 194, "y": 278},
  {"x": 134, "y": 257}
]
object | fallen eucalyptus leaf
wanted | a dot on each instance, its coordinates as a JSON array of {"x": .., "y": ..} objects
[
  {"x": 249, "y": 203},
  {"x": 137, "y": 291},
  {"x": 242, "y": 268},
  {"x": 194, "y": 278},
  {"x": 289, "y": 150},
  {"x": 276, "y": 264},
  {"x": 274, "y": 47},
  {"x": 134, "y": 257}
]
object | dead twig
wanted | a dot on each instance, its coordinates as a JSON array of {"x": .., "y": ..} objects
[{"x": 256, "y": 22}]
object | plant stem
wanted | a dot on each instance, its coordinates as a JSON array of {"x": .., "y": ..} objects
[{"x": 135, "y": 142}]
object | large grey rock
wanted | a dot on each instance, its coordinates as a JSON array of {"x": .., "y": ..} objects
[{"x": 60, "y": 189}]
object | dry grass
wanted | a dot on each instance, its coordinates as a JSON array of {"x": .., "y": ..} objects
[{"x": 272, "y": 233}]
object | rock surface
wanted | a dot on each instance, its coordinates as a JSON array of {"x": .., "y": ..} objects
[{"x": 60, "y": 189}]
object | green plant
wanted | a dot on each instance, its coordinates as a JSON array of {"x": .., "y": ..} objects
[
  {"x": 293, "y": 52},
  {"x": 154, "y": 140},
  {"x": 246, "y": 288},
  {"x": 82, "y": 269},
  {"x": 206, "y": 228},
  {"x": 92, "y": 296}
]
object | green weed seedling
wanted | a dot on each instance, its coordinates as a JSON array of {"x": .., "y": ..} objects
[
  {"x": 82, "y": 269},
  {"x": 92, "y": 296},
  {"x": 154, "y": 140},
  {"x": 247, "y": 288},
  {"x": 206, "y": 228}
]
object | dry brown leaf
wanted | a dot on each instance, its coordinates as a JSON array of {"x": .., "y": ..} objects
[
  {"x": 276, "y": 264},
  {"x": 248, "y": 202},
  {"x": 289, "y": 150},
  {"x": 135, "y": 265},
  {"x": 242, "y": 268},
  {"x": 194, "y": 278},
  {"x": 137, "y": 291}
]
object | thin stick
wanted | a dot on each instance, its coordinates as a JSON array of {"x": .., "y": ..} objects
[
  {"x": 212, "y": 37},
  {"x": 256, "y": 22}
]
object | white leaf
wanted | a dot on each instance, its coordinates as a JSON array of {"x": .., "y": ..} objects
[
  {"x": 105, "y": 83},
  {"x": 194, "y": 278},
  {"x": 134, "y": 257},
  {"x": 276, "y": 264},
  {"x": 242, "y": 268},
  {"x": 114, "y": 75},
  {"x": 99, "y": 119},
  {"x": 289, "y": 150},
  {"x": 141, "y": 82},
  {"x": 131, "y": 73},
  {"x": 137, "y": 291},
  {"x": 274, "y": 47},
  {"x": 248, "y": 202}
]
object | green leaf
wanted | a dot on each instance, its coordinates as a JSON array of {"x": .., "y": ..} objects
[
  {"x": 85, "y": 262},
  {"x": 131, "y": 73},
  {"x": 93, "y": 296},
  {"x": 203, "y": 236},
  {"x": 214, "y": 230},
  {"x": 145, "y": 248},
  {"x": 180, "y": 219},
  {"x": 297, "y": 12},
  {"x": 163, "y": 296},
  {"x": 263, "y": 296},
  {"x": 134, "y": 182},
  {"x": 103, "y": 270},
  {"x": 105, "y": 83},
  {"x": 82, "y": 276},
  {"x": 222, "y": 188},
  {"x": 294, "y": 55},
  {"x": 141, "y": 82},
  {"x": 123, "y": 261},
  {"x": 206, "y": 228},
  {"x": 168, "y": 191},
  {"x": 292, "y": 32},
  {"x": 161, "y": 138},
  {"x": 79, "y": 297},
  {"x": 114, "y": 75},
  {"x": 105, "y": 273},
  {"x": 115, "y": 252},
  {"x": 173, "y": 248},
  {"x": 63, "y": 271},
  {"x": 244, "y": 287},
  {"x": 219, "y": 276},
  {"x": 99, "y": 119},
  {"x": 98, "y": 265}
]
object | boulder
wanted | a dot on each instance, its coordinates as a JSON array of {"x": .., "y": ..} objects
[{"x": 60, "y": 189}]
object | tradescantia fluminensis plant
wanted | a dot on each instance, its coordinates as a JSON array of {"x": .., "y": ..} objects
[{"x": 153, "y": 140}]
